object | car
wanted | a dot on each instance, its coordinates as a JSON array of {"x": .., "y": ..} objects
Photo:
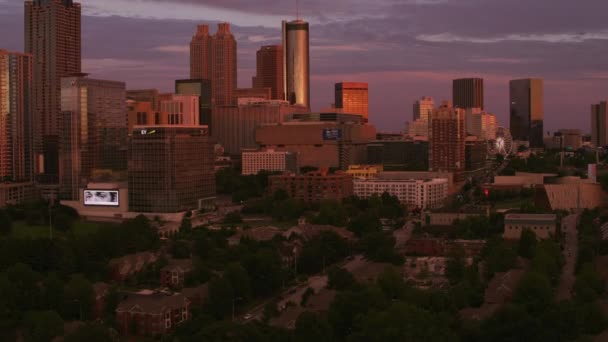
[{"x": 247, "y": 317}]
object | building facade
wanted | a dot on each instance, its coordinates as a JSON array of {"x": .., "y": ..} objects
[
  {"x": 468, "y": 93},
  {"x": 202, "y": 89},
  {"x": 352, "y": 97},
  {"x": 399, "y": 155},
  {"x": 476, "y": 157},
  {"x": 543, "y": 225},
  {"x": 599, "y": 124},
  {"x": 94, "y": 131},
  {"x": 248, "y": 94},
  {"x": 364, "y": 171},
  {"x": 446, "y": 140},
  {"x": 269, "y": 71},
  {"x": 314, "y": 187},
  {"x": 52, "y": 37},
  {"x": 145, "y": 95},
  {"x": 296, "y": 63},
  {"x": 419, "y": 194},
  {"x": 151, "y": 315},
  {"x": 527, "y": 110},
  {"x": 423, "y": 108},
  {"x": 16, "y": 121},
  {"x": 480, "y": 124},
  {"x": 170, "y": 169},
  {"x": 268, "y": 160},
  {"x": 181, "y": 110},
  {"x": 213, "y": 57}
]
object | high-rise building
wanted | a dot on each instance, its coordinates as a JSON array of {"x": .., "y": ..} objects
[
  {"x": 52, "y": 37},
  {"x": 16, "y": 150},
  {"x": 480, "y": 124},
  {"x": 352, "y": 98},
  {"x": 94, "y": 131},
  {"x": 296, "y": 62},
  {"x": 145, "y": 95},
  {"x": 467, "y": 93},
  {"x": 423, "y": 108},
  {"x": 269, "y": 71},
  {"x": 447, "y": 140},
  {"x": 599, "y": 124},
  {"x": 213, "y": 57},
  {"x": 527, "y": 110},
  {"x": 170, "y": 169},
  {"x": 202, "y": 89},
  {"x": 181, "y": 110}
]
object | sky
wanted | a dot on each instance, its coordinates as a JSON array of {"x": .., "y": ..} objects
[{"x": 404, "y": 49}]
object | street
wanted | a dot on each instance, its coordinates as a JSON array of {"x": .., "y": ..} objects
[{"x": 567, "y": 279}]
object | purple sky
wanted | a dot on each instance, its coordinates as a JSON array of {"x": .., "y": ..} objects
[{"x": 404, "y": 48}]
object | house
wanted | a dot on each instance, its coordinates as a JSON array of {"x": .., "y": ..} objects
[
  {"x": 174, "y": 274},
  {"x": 128, "y": 265},
  {"x": 151, "y": 314}
]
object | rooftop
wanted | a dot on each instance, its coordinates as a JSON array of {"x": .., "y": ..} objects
[{"x": 531, "y": 217}]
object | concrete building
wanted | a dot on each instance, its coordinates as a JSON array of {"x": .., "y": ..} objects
[
  {"x": 16, "y": 193},
  {"x": 296, "y": 63},
  {"x": 571, "y": 196},
  {"x": 16, "y": 121},
  {"x": 423, "y": 108},
  {"x": 251, "y": 93},
  {"x": 52, "y": 38},
  {"x": 182, "y": 110},
  {"x": 599, "y": 124},
  {"x": 94, "y": 131},
  {"x": 269, "y": 71},
  {"x": 170, "y": 169},
  {"x": 144, "y": 114},
  {"x": 417, "y": 175},
  {"x": 364, "y": 171},
  {"x": 448, "y": 218},
  {"x": 268, "y": 160},
  {"x": 476, "y": 157},
  {"x": 202, "y": 89},
  {"x": 468, "y": 93},
  {"x": 234, "y": 127},
  {"x": 319, "y": 143},
  {"x": 565, "y": 139},
  {"x": 446, "y": 140},
  {"x": 417, "y": 128},
  {"x": 352, "y": 97},
  {"x": 145, "y": 95},
  {"x": 413, "y": 193},
  {"x": 527, "y": 110},
  {"x": 213, "y": 57},
  {"x": 314, "y": 187},
  {"x": 399, "y": 155},
  {"x": 543, "y": 225},
  {"x": 480, "y": 124}
]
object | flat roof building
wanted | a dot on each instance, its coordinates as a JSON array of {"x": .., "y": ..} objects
[
  {"x": 419, "y": 194},
  {"x": 314, "y": 187},
  {"x": 352, "y": 97},
  {"x": 269, "y": 160},
  {"x": 527, "y": 110},
  {"x": 468, "y": 93},
  {"x": 543, "y": 225}
]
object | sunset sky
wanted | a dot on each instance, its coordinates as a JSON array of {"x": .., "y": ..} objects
[{"x": 404, "y": 48}]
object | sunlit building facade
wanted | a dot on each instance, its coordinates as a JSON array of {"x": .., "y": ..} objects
[
  {"x": 467, "y": 93},
  {"x": 352, "y": 97},
  {"x": 296, "y": 63},
  {"x": 446, "y": 140},
  {"x": 269, "y": 71}
]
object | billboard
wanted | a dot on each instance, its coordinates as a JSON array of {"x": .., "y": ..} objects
[
  {"x": 332, "y": 134},
  {"x": 104, "y": 198}
]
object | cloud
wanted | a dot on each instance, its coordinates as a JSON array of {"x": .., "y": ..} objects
[
  {"x": 540, "y": 37},
  {"x": 499, "y": 60},
  {"x": 173, "y": 48},
  {"x": 262, "y": 38}
]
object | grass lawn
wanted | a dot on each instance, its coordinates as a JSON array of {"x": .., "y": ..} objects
[
  {"x": 22, "y": 230},
  {"x": 509, "y": 204}
]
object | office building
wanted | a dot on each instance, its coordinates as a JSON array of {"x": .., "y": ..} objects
[
  {"x": 417, "y": 129},
  {"x": 143, "y": 114},
  {"x": 181, "y": 109},
  {"x": 269, "y": 71},
  {"x": 423, "y": 108},
  {"x": 268, "y": 160},
  {"x": 419, "y": 194},
  {"x": 364, "y": 171},
  {"x": 145, "y": 95},
  {"x": 480, "y": 124},
  {"x": 564, "y": 139},
  {"x": 335, "y": 144},
  {"x": 16, "y": 140},
  {"x": 170, "y": 169},
  {"x": 296, "y": 63},
  {"x": 352, "y": 97},
  {"x": 52, "y": 37},
  {"x": 314, "y": 187},
  {"x": 213, "y": 57},
  {"x": 234, "y": 126},
  {"x": 202, "y": 89},
  {"x": 446, "y": 140},
  {"x": 399, "y": 155},
  {"x": 94, "y": 131},
  {"x": 527, "y": 110},
  {"x": 476, "y": 156},
  {"x": 599, "y": 124},
  {"x": 251, "y": 94},
  {"x": 468, "y": 93},
  {"x": 325, "y": 117}
]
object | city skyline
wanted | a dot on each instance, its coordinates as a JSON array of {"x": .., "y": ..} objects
[{"x": 414, "y": 61}]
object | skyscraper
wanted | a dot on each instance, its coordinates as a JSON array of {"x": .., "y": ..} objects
[
  {"x": 94, "y": 131},
  {"x": 447, "y": 140},
  {"x": 352, "y": 98},
  {"x": 423, "y": 108},
  {"x": 201, "y": 88},
  {"x": 52, "y": 37},
  {"x": 214, "y": 58},
  {"x": 527, "y": 110},
  {"x": 599, "y": 124},
  {"x": 16, "y": 154},
  {"x": 296, "y": 62},
  {"x": 269, "y": 71},
  {"x": 467, "y": 93}
]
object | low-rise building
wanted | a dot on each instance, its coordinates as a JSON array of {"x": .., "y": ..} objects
[
  {"x": 543, "y": 225},
  {"x": 447, "y": 218},
  {"x": 128, "y": 265},
  {"x": 413, "y": 193},
  {"x": 314, "y": 186},
  {"x": 174, "y": 274},
  {"x": 151, "y": 314},
  {"x": 364, "y": 171},
  {"x": 268, "y": 160}
]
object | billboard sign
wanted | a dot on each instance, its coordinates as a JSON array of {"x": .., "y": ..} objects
[
  {"x": 102, "y": 198},
  {"x": 332, "y": 134}
]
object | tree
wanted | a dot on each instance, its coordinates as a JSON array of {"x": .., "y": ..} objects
[
  {"x": 588, "y": 286},
  {"x": 6, "y": 224},
  {"x": 527, "y": 244},
  {"x": 79, "y": 298},
  {"x": 221, "y": 298},
  {"x": 340, "y": 279},
  {"x": 42, "y": 326},
  {"x": 310, "y": 327},
  {"x": 90, "y": 332},
  {"x": 233, "y": 218},
  {"x": 186, "y": 225},
  {"x": 534, "y": 292},
  {"x": 365, "y": 222},
  {"x": 379, "y": 247},
  {"x": 239, "y": 280},
  {"x": 456, "y": 266},
  {"x": 332, "y": 213}
]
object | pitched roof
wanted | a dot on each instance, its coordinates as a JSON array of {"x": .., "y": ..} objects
[{"x": 155, "y": 303}]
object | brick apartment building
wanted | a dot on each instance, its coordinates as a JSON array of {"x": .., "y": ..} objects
[
  {"x": 314, "y": 186},
  {"x": 151, "y": 315},
  {"x": 174, "y": 274}
]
